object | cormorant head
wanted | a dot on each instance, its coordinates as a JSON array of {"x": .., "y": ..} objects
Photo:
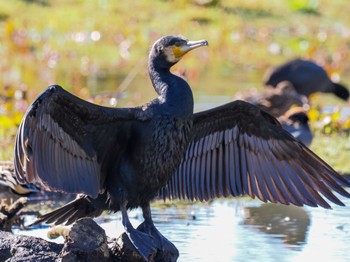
[
  {"x": 300, "y": 117},
  {"x": 297, "y": 114},
  {"x": 168, "y": 50}
]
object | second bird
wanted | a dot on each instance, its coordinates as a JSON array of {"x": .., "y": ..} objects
[{"x": 307, "y": 77}]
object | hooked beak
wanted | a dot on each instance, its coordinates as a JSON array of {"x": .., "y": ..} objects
[{"x": 190, "y": 45}]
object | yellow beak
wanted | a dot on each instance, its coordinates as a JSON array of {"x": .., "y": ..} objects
[{"x": 179, "y": 51}]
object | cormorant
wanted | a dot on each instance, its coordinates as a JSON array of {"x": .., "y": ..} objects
[
  {"x": 282, "y": 103},
  {"x": 122, "y": 158},
  {"x": 10, "y": 188},
  {"x": 275, "y": 100},
  {"x": 296, "y": 122},
  {"x": 307, "y": 77}
]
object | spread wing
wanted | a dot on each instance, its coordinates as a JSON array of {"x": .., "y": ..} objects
[
  {"x": 237, "y": 149},
  {"x": 63, "y": 142}
]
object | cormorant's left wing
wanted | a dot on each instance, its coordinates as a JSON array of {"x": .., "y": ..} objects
[
  {"x": 237, "y": 149},
  {"x": 66, "y": 143}
]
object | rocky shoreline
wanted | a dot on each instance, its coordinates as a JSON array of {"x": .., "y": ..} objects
[{"x": 85, "y": 241}]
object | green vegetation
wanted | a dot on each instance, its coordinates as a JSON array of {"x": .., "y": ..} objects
[
  {"x": 334, "y": 149},
  {"x": 98, "y": 49}
]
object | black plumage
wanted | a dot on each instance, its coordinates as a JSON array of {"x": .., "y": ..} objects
[
  {"x": 296, "y": 122},
  {"x": 274, "y": 100},
  {"x": 284, "y": 103},
  {"x": 121, "y": 158},
  {"x": 307, "y": 77},
  {"x": 238, "y": 149}
]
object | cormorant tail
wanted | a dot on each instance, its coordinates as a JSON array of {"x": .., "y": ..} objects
[
  {"x": 341, "y": 91},
  {"x": 80, "y": 207}
]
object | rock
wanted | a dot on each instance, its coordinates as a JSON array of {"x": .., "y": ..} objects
[
  {"x": 122, "y": 250},
  {"x": 17, "y": 248},
  {"x": 86, "y": 241}
]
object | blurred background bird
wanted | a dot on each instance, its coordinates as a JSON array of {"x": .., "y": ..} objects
[
  {"x": 287, "y": 105},
  {"x": 307, "y": 77},
  {"x": 296, "y": 122},
  {"x": 10, "y": 188},
  {"x": 275, "y": 101}
]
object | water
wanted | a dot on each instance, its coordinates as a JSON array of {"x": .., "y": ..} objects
[
  {"x": 236, "y": 230},
  {"x": 245, "y": 230}
]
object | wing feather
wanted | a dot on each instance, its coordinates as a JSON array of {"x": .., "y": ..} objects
[
  {"x": 237, "y": 177},
  {"x": 264, "y": 178},
  {"x": 197, "y": 175},
  {"x": 221, "y": 177},
  {"x": 226, "y": 160},
  {"x": 203, "y": 177},
  {"x": 207, "y": 170},
  {"x": 243, "y": 172},
  {"x": 237, "y": 149},
  {"x": 57, "y": 141},
  {"x": 214, "y": 174},
  {"x": 259, "y": 184},
  {"x": 231, "y": 176}
]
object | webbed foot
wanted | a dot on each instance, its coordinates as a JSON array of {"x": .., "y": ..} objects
[
  {"x": 143, "y": 243},
  {"x": 166, "y": 250},
  {"x": 160, "y": 242}
]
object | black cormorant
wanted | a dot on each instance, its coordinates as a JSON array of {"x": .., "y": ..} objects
[
  {"x": 275, "y": 101},
  {"x": 307, "y": 77},
  {"x": 296, "y": 122},
  {"x": 281, "y": 102},
  {"x": 121, "y": 158},
  {"x": 10, "y": 188}
]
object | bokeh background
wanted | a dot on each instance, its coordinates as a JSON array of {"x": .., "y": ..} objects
[{"x": 98, "y": 50}]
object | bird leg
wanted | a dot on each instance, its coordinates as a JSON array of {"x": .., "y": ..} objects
[
  {"x": 160, "y": 241},
  {"x": 140, "y": 240}
]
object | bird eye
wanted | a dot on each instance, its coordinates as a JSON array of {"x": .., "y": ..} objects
[{"x": 177, "y": 43}]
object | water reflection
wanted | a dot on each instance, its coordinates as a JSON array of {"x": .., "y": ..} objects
[
  {"x": 289, "y": 223},
  {"x": 246, "y": 230}
]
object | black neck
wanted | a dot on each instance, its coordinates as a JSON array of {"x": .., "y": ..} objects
[
  {"x": 160, "y": 78},
  {"x": 172, "y": 89}
]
